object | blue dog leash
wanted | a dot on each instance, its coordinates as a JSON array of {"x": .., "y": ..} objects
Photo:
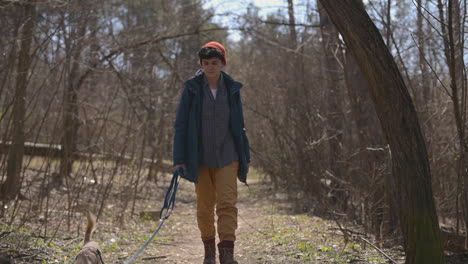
[{"x": 166, "y": 210}]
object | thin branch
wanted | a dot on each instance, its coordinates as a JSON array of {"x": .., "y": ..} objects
[
  {"x": 288, "y": 24},
  {"x": 379, "y": 250},
  {"x": 432, "y": 69}
]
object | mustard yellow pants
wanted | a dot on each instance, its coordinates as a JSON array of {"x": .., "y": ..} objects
[{"x": 217, "y": 187}]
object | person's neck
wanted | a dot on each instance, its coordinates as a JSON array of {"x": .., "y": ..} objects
[{"x": 213, "y": 82}]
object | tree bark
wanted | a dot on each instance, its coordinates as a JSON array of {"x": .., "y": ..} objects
[
  {"x": 292, "y": 23},
  {"x": 294, "y": 113},
  {"x": 388, "y": 22},
  {"x": 395, "y": 109},
  {"x": 426, "y": 92},
  {"x": 70, "y": 104},
  {"x": 459, "y": 95},
  {"x": 11, "y": 187}
]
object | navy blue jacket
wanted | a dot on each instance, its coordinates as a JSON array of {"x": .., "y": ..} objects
[{"x": 188, "y": 123}]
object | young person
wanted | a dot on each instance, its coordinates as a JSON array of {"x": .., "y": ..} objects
[{"x": 211, "y": 145}]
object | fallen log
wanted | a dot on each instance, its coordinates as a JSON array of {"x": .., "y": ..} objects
[{"x": 55, "y": 151}]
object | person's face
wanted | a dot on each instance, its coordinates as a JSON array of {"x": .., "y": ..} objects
[{"x": 212, "y": 67}]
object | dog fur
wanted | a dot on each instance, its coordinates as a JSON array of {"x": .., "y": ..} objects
[{"x": 90, "y": 253}]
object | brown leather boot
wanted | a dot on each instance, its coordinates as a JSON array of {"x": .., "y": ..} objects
[
  {"x": 210, "y": 251},
  {"x": 226, "y": 252}
]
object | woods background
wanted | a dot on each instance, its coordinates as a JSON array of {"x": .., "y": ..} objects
[{"x": 89, "y": 89}]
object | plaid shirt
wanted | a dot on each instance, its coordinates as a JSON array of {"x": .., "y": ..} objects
[{"x": 218, "y": 148}]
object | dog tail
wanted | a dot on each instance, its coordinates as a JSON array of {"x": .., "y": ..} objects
[{"x": 91, "y": 226}]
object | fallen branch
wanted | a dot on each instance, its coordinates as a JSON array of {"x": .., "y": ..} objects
[
  {"x": 154, "y": 257},
  {"x": 379, "y": 250},
  {"x": 345, "y": 234},
  {"x": 5, "y": 233}
]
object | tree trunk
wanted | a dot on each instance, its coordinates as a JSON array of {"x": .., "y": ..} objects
[
  {"x": 293, "y": 102},
  {"x": 395, "y": 109},
  {"x": 426, "y": 92},
  {"x": 443, "y": 29},
  {"x": 292, "y": 24},
  {"x": 70, "y": 114},
  {"x": 11, "y": 187},
  {"x": 459, "y": 93},
  {"x": 388, "y": 26},
  {"x": 453, "y": 50}
]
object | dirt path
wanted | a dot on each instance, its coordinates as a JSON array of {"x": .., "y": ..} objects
[
  {"x": 181, "y": 229},
  {"x": 269, "y": 232}
]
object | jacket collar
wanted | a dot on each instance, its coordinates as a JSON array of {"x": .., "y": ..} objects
[{"x": 195, "y": 83}]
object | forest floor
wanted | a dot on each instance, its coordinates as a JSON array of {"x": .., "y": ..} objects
[{"x": 269, "y": 232}]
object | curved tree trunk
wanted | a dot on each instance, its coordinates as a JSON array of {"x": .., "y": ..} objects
[{"x": 395, "y": 109}]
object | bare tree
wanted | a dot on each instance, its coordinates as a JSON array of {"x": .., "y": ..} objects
[
  {"x": 74, "y": 44},
  {"x": 453, "y": 33},
  {"x": 11, "y": 187},
  {"x": 411, "y": 172},
  {"x": 424, "y": 79},
  {"x": 459, "y": 93}
]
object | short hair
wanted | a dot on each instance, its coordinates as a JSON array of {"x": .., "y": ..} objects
[{"x": 209, "y": 53}]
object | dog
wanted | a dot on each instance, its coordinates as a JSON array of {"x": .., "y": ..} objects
[{"x": 90, "y": 253}]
